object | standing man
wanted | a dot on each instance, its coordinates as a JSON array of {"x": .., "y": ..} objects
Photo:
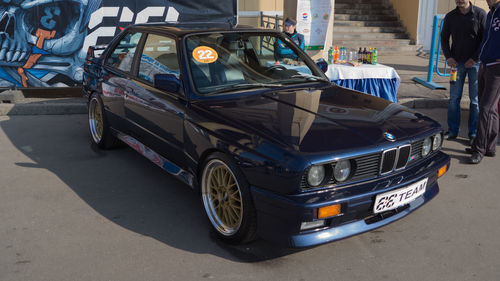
[
  {"x": 281, "y": 50},
  {"x": 489, "y": 87},
  {"x": 465, "y": 25}
]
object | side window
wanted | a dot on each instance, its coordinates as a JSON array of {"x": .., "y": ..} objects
[
  {"x": 159, "y": 57},
  {"x": 123, "y": 54}
]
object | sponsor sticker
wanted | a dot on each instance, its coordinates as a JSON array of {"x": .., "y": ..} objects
[{"x": 205, "y": 54}]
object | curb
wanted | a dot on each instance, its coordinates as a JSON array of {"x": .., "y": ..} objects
[
  {"x": 42, "y": 109},
  {"x": 424, "y": 103},
  {"x": 431, "y": 103}
]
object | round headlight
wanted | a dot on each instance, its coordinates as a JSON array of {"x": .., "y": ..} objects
[
  {"x": 426, "y": 147},
  {"x": 436, "y": 142},
  {"x": 316, "y": 175},
  {"x": 342, "y": 170}
]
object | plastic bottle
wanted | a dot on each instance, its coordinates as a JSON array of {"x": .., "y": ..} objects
[
  {"x": 365, "y": 56},
  {"x": 330, "y": 55},
  {"x": 374, "y": 56},
  {"x": 369, "y": 56},
  {"x": 336, "y": 55},
  {"x": 360, "y": 55},
  {"x": 453, "y": 75}
]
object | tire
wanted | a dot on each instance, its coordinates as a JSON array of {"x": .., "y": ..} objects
[
  {"x": 227, "y": 201},
  {"x": 100, "y": 133}
]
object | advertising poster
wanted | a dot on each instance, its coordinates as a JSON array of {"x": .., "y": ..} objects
[
  {"x": 313, "y": 17},
  {"x": 43, "y": 43}
]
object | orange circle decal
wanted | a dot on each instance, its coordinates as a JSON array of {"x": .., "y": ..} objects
[{"x": 205, "y": 54}]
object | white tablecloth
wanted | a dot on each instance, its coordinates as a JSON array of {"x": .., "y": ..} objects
[{"x": 364, "y": 71}]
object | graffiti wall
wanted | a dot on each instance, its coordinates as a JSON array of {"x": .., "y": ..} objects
[{"x": 43, "y": 43}]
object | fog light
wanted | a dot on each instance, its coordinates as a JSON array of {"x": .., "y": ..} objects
[
  {"x": 328, "y": 211},
  {"x": 311, "y": 224},
  {"x": 442, "y": 171}
]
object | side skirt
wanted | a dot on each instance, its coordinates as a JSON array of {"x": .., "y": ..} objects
[{"x": 156, "y": 158}]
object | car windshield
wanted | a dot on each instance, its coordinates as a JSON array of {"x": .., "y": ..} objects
[{"x": 222, "y": 62}]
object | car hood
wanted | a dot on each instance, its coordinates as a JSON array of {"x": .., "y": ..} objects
[{"x": 323, "y": 119}]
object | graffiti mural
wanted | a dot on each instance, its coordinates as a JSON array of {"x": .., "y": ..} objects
[{"x": 43, "y": 43}]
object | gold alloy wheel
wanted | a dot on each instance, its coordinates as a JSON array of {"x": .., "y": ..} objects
[
  {"x": 222, "y": 197},
  {"x": 96, "y": 123}
]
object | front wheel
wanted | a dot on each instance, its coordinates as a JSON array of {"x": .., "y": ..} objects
[{"x": 226, "y": 199}]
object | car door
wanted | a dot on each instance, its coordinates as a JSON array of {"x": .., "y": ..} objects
[
  {"x": 116, "y": 73},
  {"x": 158, "y": 113}
]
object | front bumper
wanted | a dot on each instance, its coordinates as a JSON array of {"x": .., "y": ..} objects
[{"x": 279, "y": 217}]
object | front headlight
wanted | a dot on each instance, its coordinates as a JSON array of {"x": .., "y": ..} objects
[
  {"x": 426, "y": 147},
  {"x": 436, "y": 142},
  {"x": 316, "y": 175},
  {"x": 342, "y": 170}
]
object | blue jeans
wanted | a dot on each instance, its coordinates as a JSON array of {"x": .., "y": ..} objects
[{"x": 455, "y": 97}]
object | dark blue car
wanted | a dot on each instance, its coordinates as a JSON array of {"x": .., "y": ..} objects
[{"x": 274, "y": 149}]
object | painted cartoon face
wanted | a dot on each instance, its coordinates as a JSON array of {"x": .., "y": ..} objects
[{"x": 20, "y": 21}]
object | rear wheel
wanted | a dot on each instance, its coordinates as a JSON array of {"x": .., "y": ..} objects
[
  {"x": 98, "y": 125},
  {"x": 226, "y": 199}
]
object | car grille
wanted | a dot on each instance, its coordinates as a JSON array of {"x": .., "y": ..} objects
[
  {"x": 381, "y": 163},
  {"x": 395, "y": 159}
]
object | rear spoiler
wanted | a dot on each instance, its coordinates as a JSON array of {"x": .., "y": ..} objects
[{"x": 95, "y": 51}]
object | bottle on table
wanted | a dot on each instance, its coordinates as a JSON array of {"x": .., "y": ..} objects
[
  {"x": 360, "y": 55},
  {"x": 365, "y": 56},
  {"x": 330, "y": 55},
  {"x": 336, "y": 55},
  {"x": 374, "y": 56}
]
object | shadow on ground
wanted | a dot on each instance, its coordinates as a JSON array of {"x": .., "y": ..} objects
[{"x": 125, "y": 187}]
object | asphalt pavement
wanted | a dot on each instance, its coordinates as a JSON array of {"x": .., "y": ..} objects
[{"x": 69, "y": 211}]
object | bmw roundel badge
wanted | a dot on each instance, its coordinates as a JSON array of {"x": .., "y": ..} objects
[{"x": 389, "y": 136}]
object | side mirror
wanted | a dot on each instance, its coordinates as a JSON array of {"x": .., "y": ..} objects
[
  {"x": 323, "y": 65},
  {"x": 167, "y": 82}
]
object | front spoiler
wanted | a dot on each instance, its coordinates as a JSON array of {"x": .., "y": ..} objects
[{"x": 279, "y": 217}]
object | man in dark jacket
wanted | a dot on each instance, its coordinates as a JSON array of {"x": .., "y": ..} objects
[
  {"x": 465, "y": 25},
  {"x": 489, "y": 87},
  {"x": 281, "y": 50}
]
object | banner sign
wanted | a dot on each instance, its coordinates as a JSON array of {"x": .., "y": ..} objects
[
  {"x": 313, "y": 17},
  {"x": 43, "y": 43}
]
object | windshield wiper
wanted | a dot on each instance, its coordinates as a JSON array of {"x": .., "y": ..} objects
[
  {"x": 245, "y": 86},
  {"x": 308, "y": 78}
]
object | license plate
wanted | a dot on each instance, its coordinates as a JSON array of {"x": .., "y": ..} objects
[{"x": 400, "y": 197}]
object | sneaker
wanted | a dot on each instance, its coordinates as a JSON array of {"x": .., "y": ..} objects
[
  {"x": 450, "y": 136},
  {"x": 475, "y": 158}
]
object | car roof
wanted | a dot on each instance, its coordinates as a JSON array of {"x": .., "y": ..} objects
[{"x": 181, "y": 29}]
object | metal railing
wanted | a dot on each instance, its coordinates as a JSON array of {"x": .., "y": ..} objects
[
  {"x": 434, "y": 56},
  {"x": 270, "y": 22}
]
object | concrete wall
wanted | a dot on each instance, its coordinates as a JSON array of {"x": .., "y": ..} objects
[
  {"x": 408, "y": 13},
  {"x": 248, "y": 10}
]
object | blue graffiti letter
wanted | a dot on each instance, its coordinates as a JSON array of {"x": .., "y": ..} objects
[{"x": 47, "y": 20}]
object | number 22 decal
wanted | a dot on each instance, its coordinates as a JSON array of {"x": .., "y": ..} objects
[{"x": 205, "y": 54}]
